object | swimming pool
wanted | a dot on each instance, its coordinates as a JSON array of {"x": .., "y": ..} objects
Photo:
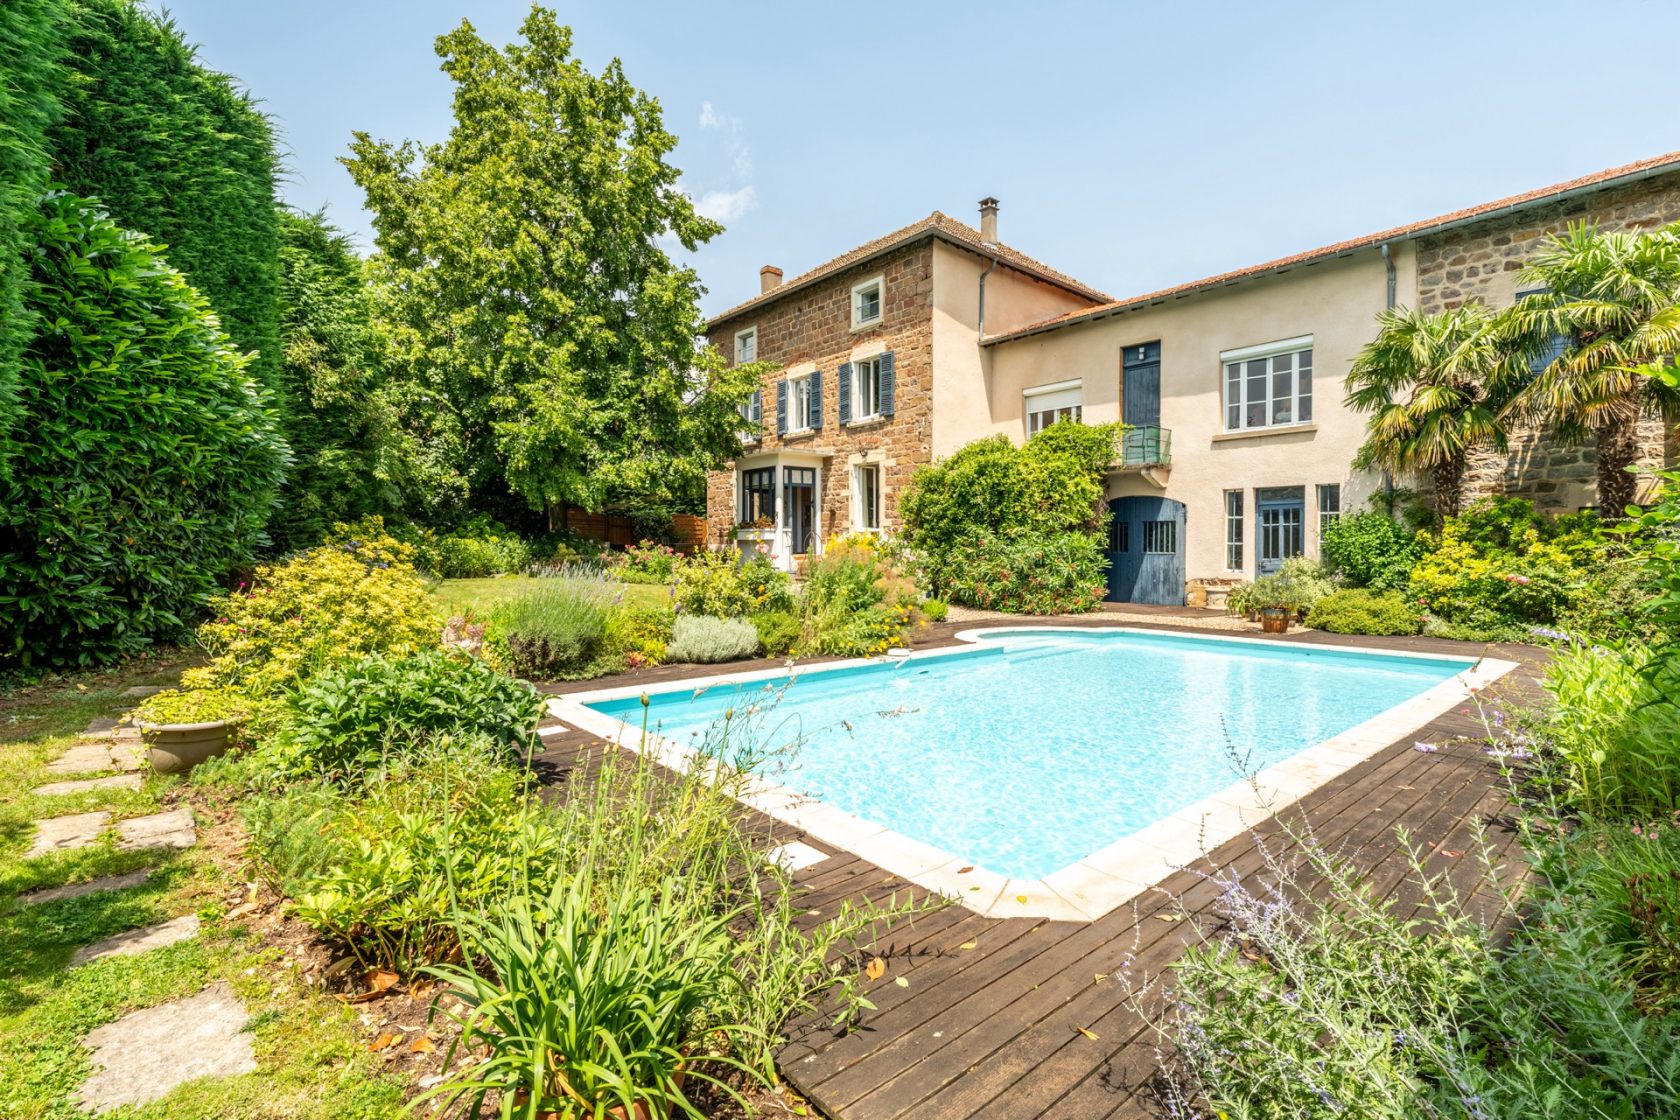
[{"x": 1036, "y": 750}]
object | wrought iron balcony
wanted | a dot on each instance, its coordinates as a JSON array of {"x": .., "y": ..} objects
[{"x": 1145, "y": 446}]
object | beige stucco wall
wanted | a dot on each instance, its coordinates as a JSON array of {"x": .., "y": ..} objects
[
  {"x": 962, "y": 405},
  {"x": 1336, "y": 302}
]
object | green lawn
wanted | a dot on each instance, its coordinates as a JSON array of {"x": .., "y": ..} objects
[{"x": 456, "y": 596}]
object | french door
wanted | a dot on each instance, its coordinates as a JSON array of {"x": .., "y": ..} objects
[{"x": 1282, "y": 513}]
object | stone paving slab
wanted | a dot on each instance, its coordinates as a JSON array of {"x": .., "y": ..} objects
[
  {"x": 141, "y": 691},
  {"x": 58, "y": 834},
  {"x": 92, "y": 886},
  {"x": 133, "y": 941},
  {"x": 173, "y": 829},
  {"x": 115, "y": 781},
  {"x": 101, "y": 728},
  {"x": 124, "y": 753},
  {"x": 145, "y": 1054}
]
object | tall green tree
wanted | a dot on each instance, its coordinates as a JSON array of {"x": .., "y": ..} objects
[
  {"x": 31, "y": 43},
  {"x": 526, "y": 287},
  {"x": 1434, "y": 385},
  {"x": 177, "y": 151},
  {"x": 347, "y": 460},
  {"x": 1608, "y": 298}
]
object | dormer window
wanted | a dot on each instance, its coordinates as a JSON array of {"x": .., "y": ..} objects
[
  {"x": 866, "y": 303},
  {"x": 746, "y": 346}
]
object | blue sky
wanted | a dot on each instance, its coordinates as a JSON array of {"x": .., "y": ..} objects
[{"x": 1133, "y": 146}]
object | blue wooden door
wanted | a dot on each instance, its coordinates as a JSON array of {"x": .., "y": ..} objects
[
  {"x": 1140, "y": 385},
  {"x": 1146, "y": 551}
]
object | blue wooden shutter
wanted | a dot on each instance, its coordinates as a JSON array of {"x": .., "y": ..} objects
[
  {"x": 814, "y": 420},
  {"x": 781, "y": 408},
  {"x": 886, "y": 384},
  {"x": 756, "y": 409},
  {"x": 845, "y": 387}
]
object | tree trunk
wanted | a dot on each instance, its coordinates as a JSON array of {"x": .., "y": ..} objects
[
  {"x": 1618, "y": 449},
  {"x": 1449, "y": 487}
]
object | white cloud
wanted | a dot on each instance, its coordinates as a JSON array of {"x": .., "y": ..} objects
[
  {"x": 709, "y": 117},
  {"x": 726, "y": 206}
]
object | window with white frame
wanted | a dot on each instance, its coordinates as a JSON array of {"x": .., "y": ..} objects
[
  {"x": 1329, "y": 505},
  {"x": 1268, "y": 386},
  {"x": 866, "y": 302},
  {"x": 799, "y": 404},
  {"x": 746, "y": 346},
  {"x": 1233, "y": 530},
  {"x": 866, "y": 497},
  {"x": 866, "y": 389},
  {"x": 1053, "y": 404}
]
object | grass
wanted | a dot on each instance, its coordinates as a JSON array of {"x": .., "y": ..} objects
[
  {"x": 311, "y": 1062},
  {"x": 456, "y": 596}
]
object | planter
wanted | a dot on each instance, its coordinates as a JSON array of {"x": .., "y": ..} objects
[
  {"x": 1275, "y": 620},
  {"x": 175, "y": 748}
]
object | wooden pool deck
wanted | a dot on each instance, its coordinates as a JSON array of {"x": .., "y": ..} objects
[{"x": 999, "y": 1030}]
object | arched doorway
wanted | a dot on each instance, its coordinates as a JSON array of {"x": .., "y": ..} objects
[{"x": 1146, "y": 551}]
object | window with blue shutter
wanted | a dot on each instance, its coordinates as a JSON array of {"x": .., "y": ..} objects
[
  {"x": 781, "y": 407},
  {"x": 757, "y": 413},
  {"x": 845, "y": 387},
  {"x": 886, "y": 405},
  {"x": 814, "y": 419}
]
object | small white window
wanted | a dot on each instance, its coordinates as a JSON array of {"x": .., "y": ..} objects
[
  {"x": 866, "y": 389},
  {"x": 1233, "y": 530},
  {"x": 1329, "y": 505},
  {"x": 746, "y": 346},
  {"x": 866, "y": 497},
  {"x": 1268, "y": 386},
  {"x": 866, "y": 303},
  {"x": 1053, "y": 404},
  {"x": 799, "y": 403}
]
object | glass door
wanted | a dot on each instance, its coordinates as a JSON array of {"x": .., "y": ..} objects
[
  {"x": 799, "y": 505},
  {"x": 1282, "y": 512}
]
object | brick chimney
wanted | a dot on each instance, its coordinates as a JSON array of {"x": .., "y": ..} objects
[
  {"x": 769, "y": 277},
  {"x": 988, "y": 220}
]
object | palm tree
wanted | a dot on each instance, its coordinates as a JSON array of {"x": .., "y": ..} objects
[
  {"x": 1609, "y": 299},
  {"x": 1434, "y": 385}
]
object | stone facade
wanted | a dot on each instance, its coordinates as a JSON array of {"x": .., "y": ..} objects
[
  {"x": 813, "y": 327},
  {"x": 1480, "y": 263}
]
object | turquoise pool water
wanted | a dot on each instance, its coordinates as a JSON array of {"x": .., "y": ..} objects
[{"x": 1039, "y": 748}]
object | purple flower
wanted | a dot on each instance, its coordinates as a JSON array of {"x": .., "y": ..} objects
[{"x": 1426, "y": 748}]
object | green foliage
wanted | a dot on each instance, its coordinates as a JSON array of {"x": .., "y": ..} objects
[
  {"x": 936, "y": 610},
  {"x": 478, "y": 549},
  {"x": 178, "y": 152},
  {"x": 1369, "y": 550},
  {"x": 192, "y": 705},
  {"x": 778, "y": 632},
  {"x": 333, "y": 604},
  {"x": 1486, "y": 571},
  {"x": 146, "y": 461},
  {"x": 1363, "y": 611},
  {"x": 640, "y": 634},
  {"x": 703, "y": 640},
  {"x": 1015, "y": 528},
  {"x": 1659, "y": 528},
  {"x": 555, "y": 631},
  {"x": 31, "y": 46},
  {"x": 648, "y": 562},
  {"x": 1613, "y": 731},
  {"x": 546, "y": 334},
  {"x": 351, "y": 718},
  {"x": 1627, "y": 878},
  {"x": 856, "y": 601},
  {"x": 347, "y": 459},
  {"x": 722, "y": 585},
  {"x": 1297, "y": 586}
]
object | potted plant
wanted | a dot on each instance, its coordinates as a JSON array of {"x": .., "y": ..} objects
[
  {"x": 183, "y": 727},
  {"x": 1276, "y": 599}
]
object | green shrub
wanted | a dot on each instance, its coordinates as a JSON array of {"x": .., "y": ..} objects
[
  {"x": 640, "y": 634},
  {"x": 703, "y": 640},
  {"x": 348, "y": 719},
  {"x": 127, "y": 503},
  {"x": 1363, "y": 611},
  {"x": 648, "y": 562},
  {"x": 1613, "y": 731},
  {"x": 330, "y": 605},
  {"x": 1626, "y": 881},
  {"x": 936, "y": 610},
  {"x": 863, "y": 633},
  {"x": 1369, "y": 550},
  {"x": 856, "y": 601},
  {"x": 1296, "y": 586},
  {"x": 722, "y": 585},
  {"x": 778, "y": 632},
  {"x": 192, "y": 705},
  {"x": 1461, "y": 583},
  {"x": 1027, "y": 573},
  {"x": 479, "y": 550},
  {"x": 554, "y": 631}
]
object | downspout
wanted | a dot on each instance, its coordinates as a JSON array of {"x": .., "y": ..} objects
[
  {"x": 1388, "y": 477},
  {"x": 981, "y": 328}
]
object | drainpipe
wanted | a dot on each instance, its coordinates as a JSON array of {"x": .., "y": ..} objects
[
  {"x": 1388, "y": 478},
  {"x": 982, "y": 325}
]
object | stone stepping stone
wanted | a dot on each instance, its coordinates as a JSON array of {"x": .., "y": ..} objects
[
  {"x": 58, "y": 834},
  {"x": 145, "y": 1054},
  {"x": 115, "y": 781},
  {"x": 130, "y": 942},
  {"x": 101, "y": 728},
  {"x": 121, "y": 754},
  {"x": 141, "y": 691},
  {"x": 92, "y": 886},
  {"x": 795, "y": 856},
  {"x": 173, "y": 829}
]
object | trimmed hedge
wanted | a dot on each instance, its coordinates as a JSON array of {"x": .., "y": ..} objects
[{"x": 1359, "y": 611}]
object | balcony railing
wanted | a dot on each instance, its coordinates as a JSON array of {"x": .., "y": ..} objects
[{"x": 1145, "y": 446}]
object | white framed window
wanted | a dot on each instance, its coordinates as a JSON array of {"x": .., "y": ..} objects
[
  {"x": 1233, "y": 530},
  {"x": 866, "y": 497},
  {"x": 752, "y": 411},
  {"x": 866, "y": 302},
  {"x": 746, "y": 346},
  {"x": 1052, "y": 404},
  {"x": 1329, "y": 505},
  {"x": 799, "y": 403},
  {"x": 866, "y": 389},
  {"x": 1268, "y": 386}
]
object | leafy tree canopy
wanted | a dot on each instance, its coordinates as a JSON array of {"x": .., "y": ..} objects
[{"x": 549, "y": 338}]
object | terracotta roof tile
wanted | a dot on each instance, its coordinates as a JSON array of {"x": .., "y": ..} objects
[
  {"x": 1670, "y": 161},
  {"x": 935, "y": 224}
]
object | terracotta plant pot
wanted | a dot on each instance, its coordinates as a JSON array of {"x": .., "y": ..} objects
[
  {"x": 1275, "y": 620},
  {"x": 175, "y": 748}
]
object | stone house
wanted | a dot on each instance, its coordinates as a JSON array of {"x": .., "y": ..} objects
[{"x": 1240, "y": 446}]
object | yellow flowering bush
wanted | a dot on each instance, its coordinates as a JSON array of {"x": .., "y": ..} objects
[
  {"x": 1531, "y": 581},
  {"x": 357, "y": 595}
]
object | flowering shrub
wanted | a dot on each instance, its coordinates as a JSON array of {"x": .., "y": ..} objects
[
  {"x": 1472, "y": 584},
  {"x": 1615, "y": 732},
  {"x": 1027, "y": 573},
  {"x": 555, "y": 631},
  {"x": 482, "y": 548},
  {"x": 722, "y": 585},
  {"x": 641, "y": 634},
  {"x": 857, "y": 602},
  {"x": 647, "y": 562},
  {"x": 333, "y": 604}
]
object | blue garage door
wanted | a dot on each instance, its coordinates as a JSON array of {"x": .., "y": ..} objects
[{"x": 1146, "y": 551}]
